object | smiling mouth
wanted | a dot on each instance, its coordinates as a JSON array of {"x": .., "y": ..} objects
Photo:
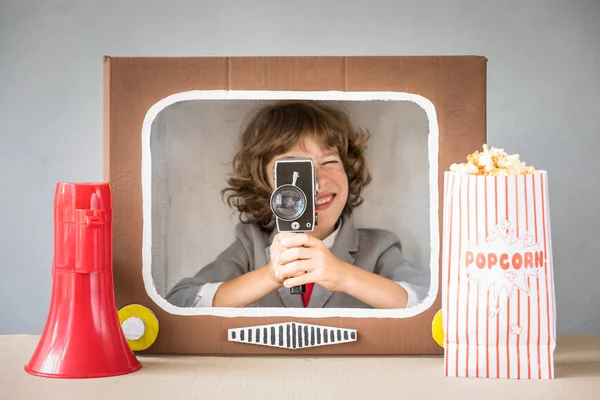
[{"x": 324, "y": 200}]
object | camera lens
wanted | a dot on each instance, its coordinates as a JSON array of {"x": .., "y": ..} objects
[{"x": 288, "y": 202}]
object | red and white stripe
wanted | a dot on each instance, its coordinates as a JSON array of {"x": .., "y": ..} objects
[{"x": 519, "y": 340}]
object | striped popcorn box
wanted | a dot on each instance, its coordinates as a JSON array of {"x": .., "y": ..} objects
[{"x": 497, "y": 280}]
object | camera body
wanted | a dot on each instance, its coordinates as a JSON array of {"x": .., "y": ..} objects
[{"x": 293, "y": 202}]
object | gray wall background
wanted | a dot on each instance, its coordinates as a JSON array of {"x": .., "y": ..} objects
[{"x": 543, "y": 103}]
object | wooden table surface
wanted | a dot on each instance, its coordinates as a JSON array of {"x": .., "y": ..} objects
[{"x": 577, "y": 365}]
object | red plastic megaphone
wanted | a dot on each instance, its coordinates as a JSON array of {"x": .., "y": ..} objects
[{"x": 83, "y": 337}]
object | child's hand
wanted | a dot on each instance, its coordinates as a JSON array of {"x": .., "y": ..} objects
[
  {"x": 306, "y": 259},
  {"x": 275, "y": 250}
]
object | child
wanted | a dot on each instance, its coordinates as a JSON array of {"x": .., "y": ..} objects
[{"x": 341, "y": 266}]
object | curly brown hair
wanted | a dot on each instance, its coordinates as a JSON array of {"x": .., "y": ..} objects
[{"x": 275, "y": 129}]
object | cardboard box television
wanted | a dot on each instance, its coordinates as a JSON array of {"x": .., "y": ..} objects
[{"x": 170, "y": 129}]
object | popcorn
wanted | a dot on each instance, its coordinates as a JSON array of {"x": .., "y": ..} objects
[
  {"x": 494, "y": 162},
  {"x": 496, "y": 246}
]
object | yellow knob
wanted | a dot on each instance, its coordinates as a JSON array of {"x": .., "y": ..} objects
[
  {"x": 437, "y": 328},
  {"x": 140, "y": 326}
]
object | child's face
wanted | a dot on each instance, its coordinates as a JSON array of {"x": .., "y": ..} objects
[{"x": 332, "y": 179}]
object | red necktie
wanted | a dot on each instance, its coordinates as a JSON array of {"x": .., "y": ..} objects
[{"x": 306, "y": 295}]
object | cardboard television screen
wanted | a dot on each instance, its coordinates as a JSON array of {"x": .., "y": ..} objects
[
  {"x": 448, "y": 91},
  {"x": 187, "y": 155}
]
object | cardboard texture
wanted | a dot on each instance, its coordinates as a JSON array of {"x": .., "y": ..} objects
[
  {"x": 456, "y": 85},
  {"x": 498, "y": 290}
]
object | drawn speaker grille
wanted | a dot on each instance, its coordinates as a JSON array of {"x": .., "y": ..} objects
[{"x": 292, "y": 335}]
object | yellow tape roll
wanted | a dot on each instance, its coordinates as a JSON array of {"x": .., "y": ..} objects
[
  {"x": 139, "y": 325},
  {"x": 437, "y": 328}
]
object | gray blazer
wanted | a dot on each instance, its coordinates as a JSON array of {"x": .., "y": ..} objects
[{"x": 374, "y": 250}]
